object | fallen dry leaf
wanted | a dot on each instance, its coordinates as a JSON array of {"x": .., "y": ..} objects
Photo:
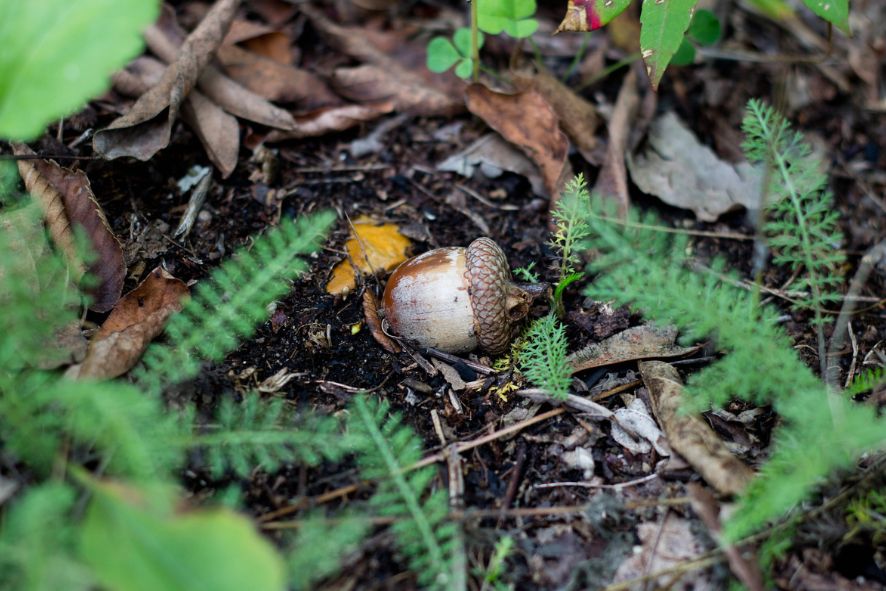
[
  {"x": 493, "y": 156},
  {"x": 688, "y": 435},
  {"x": 683, "y": 172},
  {"x": 67, "y": 202},
  {"x": 401, "y": 77},
  {"x": 166, "y": 39},
  {"x": 146, "y": 128},
  {"x": 218, "y": 131},
  {"x": 331, "y": 119},
  {"x": 526, "y": 120},
  {"x": 635, "y": 416},
  {"x": 372, "y": 248},
  {"x": 639, "y": 342},
  {"x": 664, "y": 545},
  {"x": 578, "y": 118},
  {"x": 261, "y": 40},
  {"x": 139, "y": 316},
  {"x": 275, "y": 81},
  {"x": 613, "y": 178}
]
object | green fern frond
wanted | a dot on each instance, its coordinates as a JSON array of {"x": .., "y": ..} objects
[
  {"x": 792, "y": 470},
  {"x": 801, "y": 225},
  {"x": 866, "y": 381},
  {"x": 256, "y": 433},
  {"x": 319, "y": 547},
  {"x": 228, "y": 306},
  {"x": 38, "y": 543},
  {"x": 571, "y": 227},
  {"x": 130, "y": 430},
  {"x": 647, "y": 269},
  {"x": 543, "y": 358},
  {"x": 35, "y": 294},
  {"x": 385, "y": 447}
]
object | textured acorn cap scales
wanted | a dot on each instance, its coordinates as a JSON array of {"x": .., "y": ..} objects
[{"x": 498, "y": 304}]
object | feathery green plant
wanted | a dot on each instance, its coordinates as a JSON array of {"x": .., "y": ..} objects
[
  {"x": 801, "y": 224},
  {"x": 227, "y": 307},
  {"x": 639, "y": 265},
  {"x": 866, "y": 381},
  {"x": 38, "y": 543},
  {"x": 256, "y": 433},
  {"x": 319, "y": 547},
  {"x": 543, "y": 356},
  {"x": 385, "y": 448},
  {"x": 570, "y": 230}
]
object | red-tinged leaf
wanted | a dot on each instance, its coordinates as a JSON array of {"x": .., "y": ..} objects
[
  {"x": 67, "y": 201},
  {"x": 590, "y": 15},
  {"x": 663, "y": 24}
]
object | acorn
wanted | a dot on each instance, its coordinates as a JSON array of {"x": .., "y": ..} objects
[{"x": 456, "y": 299}]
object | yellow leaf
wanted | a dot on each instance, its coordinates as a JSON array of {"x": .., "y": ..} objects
[{"x": 371, "y": 248}]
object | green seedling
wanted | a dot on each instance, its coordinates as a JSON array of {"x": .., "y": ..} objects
[
  {"x": 703, "y": 30},
  {"x": 443, "y": 53}
]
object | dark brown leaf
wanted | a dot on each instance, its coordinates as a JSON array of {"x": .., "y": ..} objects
[
  {"x": 146, "y": 128},
  {"x": 640, "y": 342},
  {"x": 613, "y": 178},
  {"x": 138, "y": 317},
  {"x": 526, "y": 120},
  {"x": 67, "y": 201}
]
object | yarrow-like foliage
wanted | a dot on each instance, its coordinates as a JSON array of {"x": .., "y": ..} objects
[
  {"x": 543, "y": 356},
  {"x": 229, "y": 305},
  {"x": 801, "y": 223},
  {"x": 385, "y": 449}
]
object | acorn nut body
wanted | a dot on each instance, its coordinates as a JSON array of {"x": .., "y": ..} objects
[{"x": 456, "y": 299}]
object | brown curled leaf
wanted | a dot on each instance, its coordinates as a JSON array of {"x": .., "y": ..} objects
[
  {"x": 527, "y": 120},
  {"x": 167, "y": 40},
  {"x": 639, "y": 342},
  {"x": 146, "y": 128},
  {"x": 68, "y": 202},
  {"x": 688, "y": 435},
  {"x": 139, "y": 316},
  {"x": 331, "y": 119},
  {"x": 370, "y": 314}
]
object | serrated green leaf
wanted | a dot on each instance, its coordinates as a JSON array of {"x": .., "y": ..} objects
[
  {"x": 705, "y": 27},
  {"x": 685, "y": 54},
  {"x": 833, "y": 11},
  {"x": 134, "y": 548},
  {"x": 442, "y": 55},
  {"x": 663, "y": 24},
  {"x": 57, "y": 54},
  {"x": 514, "y": 17}
]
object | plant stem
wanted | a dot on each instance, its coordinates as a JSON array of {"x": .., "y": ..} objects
[{"x": 475, "y": 41}]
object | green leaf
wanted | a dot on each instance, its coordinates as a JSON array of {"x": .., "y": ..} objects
[
  {"x": 705, "y": 27},
  {"x": 833, "y": 11},
  {"x": 609, "y": 9},
  {"x": 442, "y": 55},
  {"x": 462, "y": 40},
  {"x": 138, "y": 549},
  {"x": 464, "y": 69},
  {"x": 58, "y": 54},
  {"x": 662, "y": 27},
  {"x": 514, "y": 17},
  {"x": 685, "y": 55}
]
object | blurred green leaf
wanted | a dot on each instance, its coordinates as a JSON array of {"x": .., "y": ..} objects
[
  {"x": 514, "y": 17},
  {"x": 57, "y": 54},
  {"x": 705, "y": 27},
  {"x": 442, "y": 55},
  {"x": 662, "y": 28},
  {"x": 133, "y": 547},
  {"x": 833, "y": 11},
  {"x": 685, "y": 54}
]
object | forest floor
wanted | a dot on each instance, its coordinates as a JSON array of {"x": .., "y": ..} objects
[{"x": 582, "y": 508}]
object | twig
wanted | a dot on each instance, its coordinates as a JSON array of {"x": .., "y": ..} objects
[
  {"x": 870, "y": 258},
  {"x": 616, "y": 486}
]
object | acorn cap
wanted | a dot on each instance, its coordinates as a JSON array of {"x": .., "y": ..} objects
[{"x": 498, "y": 304}]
